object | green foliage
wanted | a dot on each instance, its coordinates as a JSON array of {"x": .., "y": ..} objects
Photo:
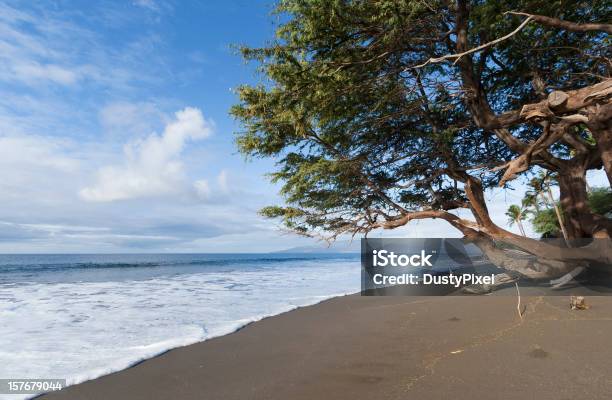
[
  {"x": 360, "y": 136},
  {"x": 514, "y": 213},
  {"x": 545, "y": 221},
  {"x": 600, "y": 201}
]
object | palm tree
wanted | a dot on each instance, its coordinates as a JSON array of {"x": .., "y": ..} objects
[
  {"x": 541, "y": 187},
  {"x": 516, "y": 215},
  {"x": 531, "y": 200},
  {"x": 556, "y": 207},
  {"x": 535, "y": 194}
]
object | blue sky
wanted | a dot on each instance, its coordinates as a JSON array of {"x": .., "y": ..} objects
[{"x": 115, "y": 134}]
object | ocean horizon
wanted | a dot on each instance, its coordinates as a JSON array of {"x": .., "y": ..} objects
[{"x": 81, "y": 316}]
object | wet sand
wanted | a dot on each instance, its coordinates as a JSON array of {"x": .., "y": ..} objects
[{"x": 357, "y": 347}]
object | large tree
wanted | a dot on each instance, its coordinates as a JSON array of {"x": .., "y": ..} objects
[{"x": 383, "y": 112}]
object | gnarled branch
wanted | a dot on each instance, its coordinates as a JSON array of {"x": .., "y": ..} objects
[
  {"x": 567, "y": 25},
  {"x": 458, "y": 56}
]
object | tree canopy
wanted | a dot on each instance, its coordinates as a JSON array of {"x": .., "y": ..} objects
[{"x": 383, "y": 112}]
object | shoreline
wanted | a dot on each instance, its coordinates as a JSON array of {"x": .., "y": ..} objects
[
  {"x": 254, "y": 320},
  {"x": 353, "y": 347}
]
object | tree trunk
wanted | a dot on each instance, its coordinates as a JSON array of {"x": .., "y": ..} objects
[
  {"x": 530, "y": 266},
  {"x": 596, "y": 251},
  {"x": 600, "y": 125},
  {"x": 603, "y": 139},
  {"x": 574, "y": 201},
  {"x": 559, "y": 216},
  {"x": 478, "y": 204},
  {"x": 520, "y": 225},
  {"x": 580, "y": 222}
]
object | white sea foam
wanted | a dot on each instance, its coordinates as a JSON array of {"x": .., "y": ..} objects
[{"x": 80, "y": 331}]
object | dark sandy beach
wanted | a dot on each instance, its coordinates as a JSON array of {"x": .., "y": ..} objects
[{"x": 388, "y": 348}]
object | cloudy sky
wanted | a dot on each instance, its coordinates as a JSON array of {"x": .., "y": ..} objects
[{"x": 114, "y": 131}]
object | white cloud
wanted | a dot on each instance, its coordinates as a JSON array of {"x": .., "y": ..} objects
[
  {"x": 50, "y": 72},
  {"x": 221, "y": 192},
  {"x": 222, "y": 181},
  {"x": 40, "y": 55},
  {"x": 125, "y": 118},
  {"x": 72, "y": 94},
  {"x": 150, "y": 4},
  {"x": 21, "y": 152},
  {"x": 152, "y": 166},
  {"x": 202, "y": 189},
  {"x": 156, "y": 6},
  {"x": 54, "y": 228},
  {"x": 43, "y": 46}
]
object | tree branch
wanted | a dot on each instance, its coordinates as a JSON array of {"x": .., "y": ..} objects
[
  {"x": 567, "y": 25},
  {"x": 459, "y": 223},
  {"x": 552, "y": 133},
  {"x": 475, "y": 49}
]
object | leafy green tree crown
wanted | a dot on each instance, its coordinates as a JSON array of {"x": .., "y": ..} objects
[{"x": 381, "y": 112}]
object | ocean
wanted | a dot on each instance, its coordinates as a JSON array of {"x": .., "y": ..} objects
[{"x": 77, "y": 317}]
